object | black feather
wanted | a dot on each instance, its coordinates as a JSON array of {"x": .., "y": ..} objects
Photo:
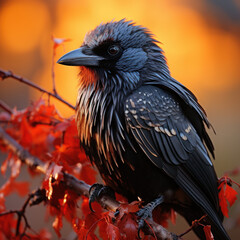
[{"x": 144, "y": 130}]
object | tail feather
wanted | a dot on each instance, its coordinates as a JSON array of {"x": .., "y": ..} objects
[{"x": 201, "y": 207}]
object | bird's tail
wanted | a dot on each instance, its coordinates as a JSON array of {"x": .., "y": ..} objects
[{"x": 217, "y": 229}]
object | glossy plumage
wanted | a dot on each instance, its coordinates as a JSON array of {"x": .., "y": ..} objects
[{"x": 143, "y": 130}]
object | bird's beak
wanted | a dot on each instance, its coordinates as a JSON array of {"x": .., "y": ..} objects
[{"x": 78, "y": 58}]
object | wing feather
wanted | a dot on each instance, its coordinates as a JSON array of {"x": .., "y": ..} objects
[{"x": 171, "y": 142}]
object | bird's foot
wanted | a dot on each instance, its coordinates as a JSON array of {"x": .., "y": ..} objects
[
  {"x": 96, "y": 191},
  {"x": 146, "y": 212}
]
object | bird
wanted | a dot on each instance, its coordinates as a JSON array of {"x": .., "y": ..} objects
[{"x": 144, "y": 131}]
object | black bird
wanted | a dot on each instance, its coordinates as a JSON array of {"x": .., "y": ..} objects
[{"x": 144, "y": 130}]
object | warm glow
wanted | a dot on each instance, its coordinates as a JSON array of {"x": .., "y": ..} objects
[
  {"x": 65, "y": 198},
  {"x": 200, "y": 56},
  {"x": 201, "y": 43},
  {"x": 50, "y": 188},
  {"x": 22, "y": 23}
]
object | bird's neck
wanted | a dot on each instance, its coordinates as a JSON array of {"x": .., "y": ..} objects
[{"x": 155, "y": 69}]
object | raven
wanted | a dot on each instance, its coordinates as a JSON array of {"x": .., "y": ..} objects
[{"x": 144, "y": 131}]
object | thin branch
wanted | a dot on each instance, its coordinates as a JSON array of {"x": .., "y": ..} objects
[
  {"x": 8, "y": 212},
  {"x": 5, "y": 107},
  {"x": 79, "y": 186},
  {"x": 9, "y": 74},
  {"x": 22, "y": 154},
  {"x": 194, "y": 224},
  {"x": 20, "y": 214},
  {"x": 56, "y": 43},
  {"x": 53, "y": 72}
]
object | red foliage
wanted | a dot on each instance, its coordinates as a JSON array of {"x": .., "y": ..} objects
[
  {"x": 59, "y": 41},
  {"x": 45, "y": 134},
  {"x": 161, "y": 217},
  {"x": 54, "y": 140},
  {"x": 22, "y": 188},
  {"x": 226, "y": 195},
  {"x": 208, "y": 233}
]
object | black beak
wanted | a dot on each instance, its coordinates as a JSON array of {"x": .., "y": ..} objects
[{"x": 78, "y": 58}]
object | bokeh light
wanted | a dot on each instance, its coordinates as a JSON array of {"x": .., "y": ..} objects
[{"x": 22, "y": 24}]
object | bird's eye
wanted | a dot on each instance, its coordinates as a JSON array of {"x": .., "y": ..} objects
[{"x": 113, "y": 50}]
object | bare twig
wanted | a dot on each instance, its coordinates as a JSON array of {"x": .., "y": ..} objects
[
  {"x": 79, "y": 186},
  {"x": 23, "y": 154},
  {"x": 194, "y": 224},
  {"x": 53, "y": 72},
  {"x": 56, "y": 43},
  {"x": 9, "y": 74},
  {"x": 20, "y": 214},
  {"x": 5, "y": 107}
]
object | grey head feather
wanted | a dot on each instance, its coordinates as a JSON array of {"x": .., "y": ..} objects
[{"x": 141, "y": 62}]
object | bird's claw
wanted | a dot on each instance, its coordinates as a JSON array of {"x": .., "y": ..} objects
[
  {"x": 146, "y": 212},
  {"x": 96, "y": 191},
  {"x": 143, "y": 214}
]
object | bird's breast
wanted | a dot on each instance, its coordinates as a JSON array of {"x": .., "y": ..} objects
[
  {"x": 100, "y": 122},
  {"x": 109, "y": 145}
]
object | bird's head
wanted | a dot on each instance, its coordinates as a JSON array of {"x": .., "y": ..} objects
[{"x": 120, "y": 48}]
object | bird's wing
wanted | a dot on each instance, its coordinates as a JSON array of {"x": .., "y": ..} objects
[
  {"x": 192, "y": 108},
  {"x": 170, "y": 141}
]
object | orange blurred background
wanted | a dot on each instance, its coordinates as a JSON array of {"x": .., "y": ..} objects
[{"x": 201, "y": 40}]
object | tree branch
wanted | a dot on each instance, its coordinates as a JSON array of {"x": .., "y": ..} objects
[
  {"x": 79, "y": 186},
  {"x": 5, "y": 107},
  {"x": 33, "y": 162},
  {"x": 9, "y": 74},
  {"x": 20, "y": 214}
]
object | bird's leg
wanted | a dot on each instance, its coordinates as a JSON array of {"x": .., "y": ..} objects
[
  {"x": 146, "y": 211},
  {"x": 96, "y": 191}
]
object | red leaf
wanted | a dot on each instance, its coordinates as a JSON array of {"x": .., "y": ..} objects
[
  {"x": 43, "y": 113},
  {"x": 128, "y": 226},
  {"x": 208, "y": 233},
  {"x": 7, "y": 226},
  {"x": 66, "y": 155},
  {"x": 91, "y": 221},
  {"x": 57, "y": 224},
  {"x": 71, "y": 135},
  {"x": 26, "y": 132},
  {"x": 2, "y": 203},
  {"x": 86, "y": 210},
  {"x": 230, "y": 194},
  {"x": 87, "y": 173},
  {"x": 59, "y": 41},
  {"x": 81, "y": 230},
  {"x": 22, "y": 188},
  {"x": 15, "y": 164},
  {"x": 173, "y": 216},
  {"x": 53, "y": 172},
  {"x": 68, "y": 204},
  {"x": 226, "y": 194},
  {"x": 35, "y": 139},
  {"x": 102, "y": 228},
  {"x": 222, "y": 200},
  {"x": 5, "y": 163},
  {"x": 126, "y": 208},
  {"x": 113, "y": 232},
  {"x": 161, "y": 216},
  {"x": 44, "y": 235}
]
